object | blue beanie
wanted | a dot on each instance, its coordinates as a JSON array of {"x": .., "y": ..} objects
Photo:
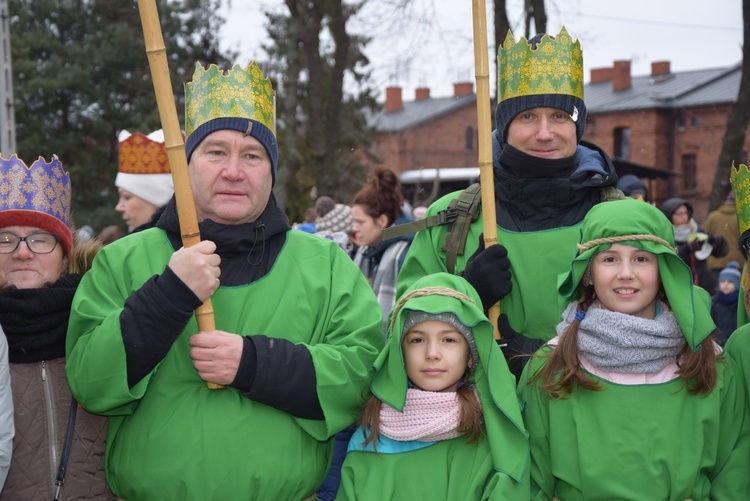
[
  {"x": 509, "y": 109},
  {"x": 731, "y": 273},
  {"x": 249, "y": 127}
]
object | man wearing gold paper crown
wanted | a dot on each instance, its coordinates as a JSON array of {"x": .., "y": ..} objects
[
  {"x": 40, "y": 268},
  {"x": 298, "y": 327},
  {"x": 738, "y": 344},
  {"x": 144, "y": 182},
  {"x": 546, "y": 179}
]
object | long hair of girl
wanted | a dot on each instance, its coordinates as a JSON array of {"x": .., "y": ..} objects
[{"x": 562, "y": 369}]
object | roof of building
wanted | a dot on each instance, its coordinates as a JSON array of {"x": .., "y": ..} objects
[
  {"x": 417, "y": 112},
  {"x": 682, "y": 89},
  {"x": 674, "y": 90}
]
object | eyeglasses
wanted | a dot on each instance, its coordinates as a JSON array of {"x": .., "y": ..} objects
[{"x": 38, "y": 243}]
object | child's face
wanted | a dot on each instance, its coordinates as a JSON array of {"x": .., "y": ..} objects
[
  {"x": 726, "y": 286},
  {"x": 626, "y": 280},
  {"x": 436, "y": 356}
]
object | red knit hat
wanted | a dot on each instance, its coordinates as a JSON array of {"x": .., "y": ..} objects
[{"x": 38, "y": 196}]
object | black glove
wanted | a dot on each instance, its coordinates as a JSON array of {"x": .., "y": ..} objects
[
  {"x": 516, "y": 347},
  {"x": 488, "y": 271}
]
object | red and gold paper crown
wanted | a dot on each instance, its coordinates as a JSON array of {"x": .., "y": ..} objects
[
  {"x": 141, "y": 154},
  {"x": 739, "y": 176},
  {"x": 38, "y": 195},
  {"x": 555, "y": 66}
]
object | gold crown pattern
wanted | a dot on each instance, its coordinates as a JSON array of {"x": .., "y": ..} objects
[
  {"x": 141, "y": 155},
  {"x": 238, "y": 93},
  {"x": 554, "y": 67},
  {"x": 42, "y": 187},
  {"x": 739, "y": 176}
]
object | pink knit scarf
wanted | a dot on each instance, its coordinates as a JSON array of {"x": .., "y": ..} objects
[{"x": 428, "y": 416}]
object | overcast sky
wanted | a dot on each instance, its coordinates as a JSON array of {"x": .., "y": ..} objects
[{"x": 431, "y": 44}]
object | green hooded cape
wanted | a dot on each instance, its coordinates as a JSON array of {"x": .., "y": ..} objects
[
  {"x": 640, "y": 441},
  {"x": 691, "y": 304},
  {"x": 496, "y": 468}
]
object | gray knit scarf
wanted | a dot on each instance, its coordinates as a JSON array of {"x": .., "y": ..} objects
[{"x": 619, "y": 342}]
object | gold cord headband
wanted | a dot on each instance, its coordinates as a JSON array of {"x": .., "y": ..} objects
[
  {"x": 428, "y": 291},
  {"x": 624, "y": 238}
]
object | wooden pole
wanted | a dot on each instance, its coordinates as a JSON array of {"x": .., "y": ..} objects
[
  {"x": 157, "y": 61},
  {"x": 484, "y": 129}
]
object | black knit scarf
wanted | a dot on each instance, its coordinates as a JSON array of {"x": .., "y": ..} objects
[
  {"x": 35, "y": 321},
  {"x": 522, "y": 165}
]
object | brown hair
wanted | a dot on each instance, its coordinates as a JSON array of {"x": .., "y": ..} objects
[
  {"x": 381, "y": 195},
  {"x": 562, "y": 370},
  {"x": 469, "y": 424},
  {"x": 82, "y": 254}
]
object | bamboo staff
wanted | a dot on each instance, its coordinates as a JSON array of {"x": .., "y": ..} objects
[
  {"x": 157, "y": 61},
  {"x": 484, "y": 129}
]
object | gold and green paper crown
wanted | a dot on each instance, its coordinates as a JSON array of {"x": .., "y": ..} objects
[
  {"x": 238, "y": 93},
  {"x": 555, "y": 66},
  {"x": 739, "y": 176}
]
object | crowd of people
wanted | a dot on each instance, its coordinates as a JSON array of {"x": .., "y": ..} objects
[{"x": 343, "y": 363}]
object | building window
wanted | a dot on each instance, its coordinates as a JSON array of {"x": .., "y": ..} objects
[
  {"x": 689, "y": 171},
  {"x": 622, "y": 143},
  {"x": 694, "y": 122},
  {"x": 469, "y": 138}
]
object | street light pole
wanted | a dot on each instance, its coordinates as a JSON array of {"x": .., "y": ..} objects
[{"x": 7, "y": 108}]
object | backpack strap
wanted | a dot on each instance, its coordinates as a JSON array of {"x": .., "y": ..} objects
[
  {"x": 466, "y": 208},
  {"x": 443, "y": 217},
  {"x": 458, "y": 216}
]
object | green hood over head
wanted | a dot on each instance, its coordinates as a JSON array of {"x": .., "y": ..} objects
[
  {"x": 441, "y": 293},
  {"x": 649, "y": 230}
]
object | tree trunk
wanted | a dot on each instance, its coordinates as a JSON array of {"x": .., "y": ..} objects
[
  {"x": 734, "y": 137},
  {"x": 327, "y": 169},
  {"x": 501, "y": 25},
  {"x": 289, "y": 104}
]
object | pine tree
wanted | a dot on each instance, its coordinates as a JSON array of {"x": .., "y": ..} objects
[{"x": 81, "y": 75}]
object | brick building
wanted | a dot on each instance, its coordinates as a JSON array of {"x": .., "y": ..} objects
[
  {"x": 673, "y": 122},
  {"x": 426, "y": 132}
]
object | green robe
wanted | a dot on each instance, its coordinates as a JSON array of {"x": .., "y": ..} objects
[
  {"x": 170, "y": 437},
  {"x": 638, "y": 442},
  {"x": 533, "y": 305},
  {"x": 404, "y": 473},
  {"x": 494, "y": 468}
]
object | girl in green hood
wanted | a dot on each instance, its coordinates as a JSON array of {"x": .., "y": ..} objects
[
  {"x": 633, "y": 399},
  {"x": 444, "y": 421}
]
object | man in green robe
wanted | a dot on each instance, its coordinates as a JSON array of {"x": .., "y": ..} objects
[
  {"x": 297, "y": 325},
  {"x": 546, "y": 179}
]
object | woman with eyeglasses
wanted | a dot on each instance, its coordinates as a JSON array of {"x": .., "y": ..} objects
[{"x": 58, "y": 448}]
